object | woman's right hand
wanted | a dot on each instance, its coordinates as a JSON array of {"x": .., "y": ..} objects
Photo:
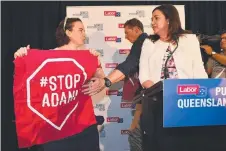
[
  {"x": 21, "y": 52},
  {"x": 94, "y": 52}
]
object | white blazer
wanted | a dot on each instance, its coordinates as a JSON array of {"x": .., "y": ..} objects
[{"x": 187, "y": 59}]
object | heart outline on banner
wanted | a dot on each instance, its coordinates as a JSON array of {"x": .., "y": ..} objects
[{"x": 28, "y": 90}]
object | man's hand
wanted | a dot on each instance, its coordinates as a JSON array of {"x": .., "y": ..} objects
[
  {"x": 207, "y": 49},
  {"x": 94, "y": 86},
  {"x": 136, "y": 118},
  {"x": 135, "y": 124}
]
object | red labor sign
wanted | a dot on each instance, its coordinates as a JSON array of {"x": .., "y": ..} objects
[{"x": 48, "y": 101}]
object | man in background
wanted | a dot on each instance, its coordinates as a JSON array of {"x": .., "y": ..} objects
[
  {"x": 134, "y": 32},
  {"x": 216, "y": 65}
]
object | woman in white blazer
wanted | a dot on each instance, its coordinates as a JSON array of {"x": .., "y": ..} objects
[
  {"x": 178, "y": 51},
  {"x": 184, "y": 63}
]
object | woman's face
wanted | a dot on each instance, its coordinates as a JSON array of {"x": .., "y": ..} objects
[
  {"x": 77, "y": 35},
  {"x": 159, "y": 23}
]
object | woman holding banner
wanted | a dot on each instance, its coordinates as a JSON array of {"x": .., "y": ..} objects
[
  {"x": 171, "y": 53},
  {"x": 70, "y": 35}
]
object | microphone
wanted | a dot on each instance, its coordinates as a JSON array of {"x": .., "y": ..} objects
[{"x": 166, "y": 72}]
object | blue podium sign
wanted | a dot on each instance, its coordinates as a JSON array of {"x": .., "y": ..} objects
[{"x": 194, "y": 102}]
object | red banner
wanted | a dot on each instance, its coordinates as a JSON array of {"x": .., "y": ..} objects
[{"x": 48, "y": 101}]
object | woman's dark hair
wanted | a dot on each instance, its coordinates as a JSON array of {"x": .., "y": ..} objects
[
  {"x": 175, "y": 31},
  {"x": 66, "y": 24}
]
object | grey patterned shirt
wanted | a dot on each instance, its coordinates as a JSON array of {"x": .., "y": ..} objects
[{"x": 218, "y": 70}]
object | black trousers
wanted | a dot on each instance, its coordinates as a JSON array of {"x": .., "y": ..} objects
[
  {"x": 88, "y": 140},
  {"x": 157, "y": 138}
]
